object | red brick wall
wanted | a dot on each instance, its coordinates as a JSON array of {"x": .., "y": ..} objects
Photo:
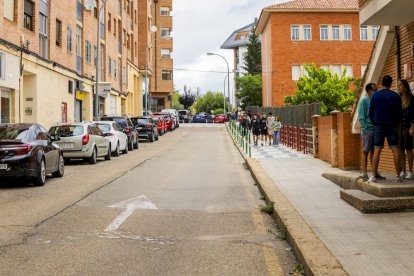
[
  {"x": 349, "y": 145},
  {"x": 286, "y": 52}
]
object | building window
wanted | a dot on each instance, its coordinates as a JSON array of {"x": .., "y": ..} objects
[
  {"x": 347, "y": 32},
  {"x": 165, "y": 53},
  {"x": 95, "y": 54},
  {"x": 88, "y": 53},
  {"x": 307, "y": 32},
  {"x": 165, "y": 11},
  {"x": 109, "y": 66},
  {"x": 374, "y": 32},
  {"x": 119, "y": 7},
  {"x": 102, "y": 24},
  {"x": 324, "y": 32},
  {"x": 295, "y": 32},
  {"x": 2, "y": 66},
  {"x": 109, "y": 22},
  {"x": 335, "y": 32},
  {"x": 79, "y": 10},
  {"x": 124, "y": 75},
  {"x": 28, "y": 15},
  {"x": 336, "y": 69},
  {"x": 363, "y": 33},
  {"x": 9, "y": 8},
  {"x": 102, "y": 62},
  {"x": 58, "y": 32},
  {"x": 78, "y": 50},
  {"x": 166, "y": 75},
  {"x": 349, "y": 70},
  {"x": 115, "y": 69},
  {"x": 5, "y": 106},
  {"x": 325, "y": 67},
  {"x": 295, "y": 72},
  {"x": 95, "y": 8},
  {"x": 165, "y": 32},
  {"x": 363, "y": 69},
  {"x": 114, "y": 27},
  {"x": 43, "y": 36},
  {"x": 69, "y": 40}
]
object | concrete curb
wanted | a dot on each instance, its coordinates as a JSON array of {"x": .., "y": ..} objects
[{"x": 309, "y": 249}]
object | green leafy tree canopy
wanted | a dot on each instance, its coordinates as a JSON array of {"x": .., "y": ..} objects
[
  {"x": 210, "y": 102},
  {"x": 319, "y": 85},
  {"x": 249, "y": 90}
]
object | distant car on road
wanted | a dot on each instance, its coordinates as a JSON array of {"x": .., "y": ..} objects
[
  {"x": 174, "y": 114},
  {"x": 27, "y": 150},
  {"x": 220, "y": 118},
  {"x": 118, "y": 139},
  {"x": 82, "y": 140},
  {"x": 161, "y": 124},
  {"x": 127, "y": 127},
  {"x": 170, "y": 121},
  {"x": 184, "y": 116},
  {"x": 202, "y": 117},
  {"x": 147, "y": 129}
]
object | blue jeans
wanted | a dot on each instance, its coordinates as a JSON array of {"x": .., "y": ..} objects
[{"x": 277, "y": 137}]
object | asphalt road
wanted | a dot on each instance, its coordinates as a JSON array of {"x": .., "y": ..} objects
[{"x": 185, "y": 205}]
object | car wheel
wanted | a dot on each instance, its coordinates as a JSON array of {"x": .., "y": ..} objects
[
  {"x": 151, "y": 139},
  {"x": 125, "y": 151},
  {"x": 136, "y": 144},
  {"x": 61, "y": 168},
  {"x": 130, "y": 146},
  {"x": 92, "y": 159},
  {"x": 116, "y": 152},
  {"x": 108, "y": 155},
  {"x": 157, "y": 137},
  {"x": 40, "y": 180}
]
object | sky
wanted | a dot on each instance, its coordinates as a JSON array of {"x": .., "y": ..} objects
[{"x": 203, "y": 26}]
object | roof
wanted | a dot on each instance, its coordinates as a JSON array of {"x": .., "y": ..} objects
[
  {"x": 309, "y": 6},
  {"x": 232, "y": 43}
]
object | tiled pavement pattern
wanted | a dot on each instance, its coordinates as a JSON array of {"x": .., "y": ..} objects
[
  {"x": 269, "y": 152},
  {"x": 365, "y": 244}
]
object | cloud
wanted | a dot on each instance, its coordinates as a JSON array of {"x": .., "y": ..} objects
[{"x": 201, "y": 28}]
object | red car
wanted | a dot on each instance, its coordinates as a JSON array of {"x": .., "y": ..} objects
[
  {"x": 161, "y": 124},
  {"x": 170, "y": 122},
  {"x": 221, "y": 118}
]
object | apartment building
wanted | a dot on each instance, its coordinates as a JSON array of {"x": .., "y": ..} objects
[
  {"x": 161, "y": 83},
  {"x": 48, "y": 57},
  {"x": 393, "y": 52},
  {"x": 325, "y": 33}
]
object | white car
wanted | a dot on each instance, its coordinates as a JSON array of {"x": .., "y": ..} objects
[
  {"x": 118, "y": 139},
  {"x": 174, "y": 114}
]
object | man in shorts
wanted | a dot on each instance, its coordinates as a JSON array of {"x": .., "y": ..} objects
[{"x": 385, "y": 112}]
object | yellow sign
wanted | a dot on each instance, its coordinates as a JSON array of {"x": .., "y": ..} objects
[{"x": 80, "y": 95}]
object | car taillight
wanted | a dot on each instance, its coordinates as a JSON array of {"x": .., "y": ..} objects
[
  {"x": 23, "y": 149},
  {"x": 127, "y": 130},
  {"x": 85, "y": 139}
]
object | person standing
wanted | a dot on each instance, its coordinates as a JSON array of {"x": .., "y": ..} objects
[
  {"x": 277, "y": 126},
  {"x": 385, "y": 112},
  {"x": 407, "y": 126},
  {"x": 270, "y": 129},
  {"x": 263, "y": 128},
  {"x": 256, "y": 128},
  {"x": 367, "y": 128}
]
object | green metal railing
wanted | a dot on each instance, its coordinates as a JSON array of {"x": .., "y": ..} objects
[{"x": 241, "y": 136}]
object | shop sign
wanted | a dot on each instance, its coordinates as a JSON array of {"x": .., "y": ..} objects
[
  {"x": 80, "y": 95},
  {"x": 104, "y": 88}
]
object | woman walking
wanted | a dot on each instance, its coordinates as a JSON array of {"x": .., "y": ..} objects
[
  {"x": 263, "y": 128},
  {"x": 270, "y": 129},
  {"x": 407, "y": 129},
  {"x": 255, "y": 128},
  {"x": 277, "y": 126}
]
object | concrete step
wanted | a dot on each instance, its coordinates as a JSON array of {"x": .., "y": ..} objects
[{"x": 368, "y": 203}]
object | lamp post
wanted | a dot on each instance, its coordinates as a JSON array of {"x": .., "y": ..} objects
[
  {"x": 98, "y": 45},
  {"x": 228, "y": 76}
]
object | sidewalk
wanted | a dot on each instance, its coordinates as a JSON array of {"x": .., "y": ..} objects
[{"x": 365, "y": 244}]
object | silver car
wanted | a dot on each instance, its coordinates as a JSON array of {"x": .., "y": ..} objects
[
  {"x": 118, "y": 139},
  {"x": 82, "y": 140}
]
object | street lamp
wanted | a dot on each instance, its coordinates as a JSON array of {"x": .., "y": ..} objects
[
  {"x": 228, "y": 77},
  {"x": 103, "y": 3}
]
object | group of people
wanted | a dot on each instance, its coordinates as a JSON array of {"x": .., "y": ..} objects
[
  {"x": 385, "y": 114},
  {"x": 265, "y": 128}
]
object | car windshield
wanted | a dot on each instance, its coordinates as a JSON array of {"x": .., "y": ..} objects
[
  {"x": 104, "y": 127},
  {"x": 66, "y": 130},
  {"x": 143, "y": 121},
  {"x": 14, "y": 132},
  {"x": 182, "y": 112},
  {"x": 121, "y": 122},
  {"x": 156, "y": 120}
]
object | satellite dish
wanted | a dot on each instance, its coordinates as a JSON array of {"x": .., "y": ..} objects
[
  {"x": 89, "y": 5},
  {"x": 154, "y": 28}
]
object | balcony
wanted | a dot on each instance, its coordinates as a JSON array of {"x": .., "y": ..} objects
[{"x": 387, "y": 12}]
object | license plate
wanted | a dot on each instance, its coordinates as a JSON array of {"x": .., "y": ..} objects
[
  {"x": 66, "y": 145},
  {"x": 3, "y": 167}
]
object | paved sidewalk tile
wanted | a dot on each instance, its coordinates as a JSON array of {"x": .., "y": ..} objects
[{"x": 365, "y": 244}]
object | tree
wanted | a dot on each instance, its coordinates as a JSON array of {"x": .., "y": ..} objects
[
  {"x": 175, "y": 103},
  {"x": 210, "y": 102},
  {"x": 332, "y": 91},
  {"x": 253, "y": 56},
  {"x": 188, "y": 98},
  {"x": 249, "y": 90}
]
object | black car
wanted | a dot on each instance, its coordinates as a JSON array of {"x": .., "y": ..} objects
[
  {"x": 147, "y": 128},
  {"x": 127, "y": 127},
  {"x": 27, "y": 150}
]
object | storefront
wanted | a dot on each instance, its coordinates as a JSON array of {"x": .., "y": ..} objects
[{"x": 5, "y": 106}]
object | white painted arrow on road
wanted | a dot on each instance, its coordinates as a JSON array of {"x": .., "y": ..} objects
[{"x": 130, "y": 205}]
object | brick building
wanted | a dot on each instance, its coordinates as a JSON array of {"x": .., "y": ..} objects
[
  {"x": 393, "y": 52},
  {"x": 326, "y": 33},
  {"x": 48, "y": 59}
]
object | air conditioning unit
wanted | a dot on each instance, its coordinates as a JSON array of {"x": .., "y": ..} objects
[{"x": 89, "y": 5}]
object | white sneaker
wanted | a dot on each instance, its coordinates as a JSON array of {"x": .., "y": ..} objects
[
  {"x": 402, "y": 175},
  {"x": 399, "y": 179},
  {"x": 372, "y": 179},
  {"x": 409, "y": 176}
]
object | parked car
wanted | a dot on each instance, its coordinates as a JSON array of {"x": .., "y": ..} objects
[
  {"x": 184, "y": 116},
  {"x": 118, "y": 139},
  {"x": 202, "y": 118},
  {"x": 174, "y": 114},
  {"x": 27, "y": 150},
  {"x": 127, "y": 127},
  {"x": 220, "y": 118},
  {"x": 168, "y": 118},
  {"x": 82, "y": 140},
  {"x": 161, "y": 124},
  {"x": 147, "y": 129}
]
